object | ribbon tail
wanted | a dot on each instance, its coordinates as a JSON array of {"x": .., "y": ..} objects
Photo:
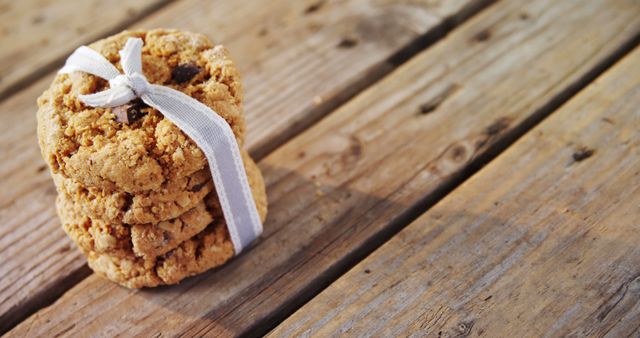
[
  {"x": 112, "y": 97},
  {"x": 85, "y": 59},
  {"x": 214, "y": 136}
]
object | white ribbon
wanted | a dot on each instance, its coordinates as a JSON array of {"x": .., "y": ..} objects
[{"x": 205, "y": 127}]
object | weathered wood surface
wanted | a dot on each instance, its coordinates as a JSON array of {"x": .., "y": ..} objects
[
  {"x": 44, "y": 263},
  {"x": 36, "y": 35},
  {"x": 362, "y": 171},
  {"x": 544, "y": 241},
  {"x": 303, "y": 58}
]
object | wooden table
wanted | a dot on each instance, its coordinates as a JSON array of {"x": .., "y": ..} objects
[{"x": 434, "y": 168}]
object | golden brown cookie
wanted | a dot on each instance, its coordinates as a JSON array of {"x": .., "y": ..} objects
[
  {"x": 135, "y": 192},
  {"x": 132, "y": 148},
  {"x": 210, "y": 248},
  {"x": 148, "y": 240},
  {"x": 206, "y": 250},
  {"x": 169, "y": 201},
  {"x": 140, "y": 240}
]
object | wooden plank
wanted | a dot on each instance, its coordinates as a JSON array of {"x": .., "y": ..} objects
[
  {"x": 542, "y": 242},
  {"x": 362, "y": 171},
  {"x": 44, "y": 263},
  {"x": 37, "y": 35},
  {"x": 302, "y": 59}
]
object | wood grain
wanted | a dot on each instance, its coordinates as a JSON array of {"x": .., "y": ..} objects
[
  {"x": 304, "y": 58},
  {"x": 358, "y": 174},
  {"x": 291, "y": 42},
  {"x": 36, "y": 35},
  {"x": 542, "y": 242}
]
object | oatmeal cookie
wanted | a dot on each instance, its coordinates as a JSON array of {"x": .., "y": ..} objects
[
  {"x": 148, "y": 240},
  {"x": 132, "y": 148},
  {"x": 168, "y": 202},
  {"x": 140, "y": 240},
  {"x": 206, "y": 250},
  {"x": 209, "y": 248}
]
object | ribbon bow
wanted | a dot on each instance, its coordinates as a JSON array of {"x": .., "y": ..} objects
[{"x": 205, "y": 127}]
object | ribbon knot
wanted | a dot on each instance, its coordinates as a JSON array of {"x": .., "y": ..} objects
[
  {"x": 205, "y": 127},
  {"x": 136, "y": 82}
]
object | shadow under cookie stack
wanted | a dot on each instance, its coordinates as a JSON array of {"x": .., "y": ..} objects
[{"x": 134, "y": 192}]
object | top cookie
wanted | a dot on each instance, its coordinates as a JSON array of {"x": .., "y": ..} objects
[{"x": 132, "y": 148}]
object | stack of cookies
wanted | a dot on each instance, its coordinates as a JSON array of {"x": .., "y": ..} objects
[{"x": 134, "y": 192}]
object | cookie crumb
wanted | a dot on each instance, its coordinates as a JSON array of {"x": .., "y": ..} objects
[
  {"x": 482, "y": 36},
  {"x": 314, "y": 7},
  {"x": 347, "y": 42},
  {"x": 582, "y": 154},
  {"x": 607, "y": 120}
]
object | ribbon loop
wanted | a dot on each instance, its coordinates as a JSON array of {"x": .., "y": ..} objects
[
  {"x": 130, "y": 59},
  {"x": 85, "y": 59},
  {"x": 206, "y": 128}
]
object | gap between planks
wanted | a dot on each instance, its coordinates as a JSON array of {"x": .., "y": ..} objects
[
  {"x": 433, "y": 32},
  {"x": 357, "y": 197}
]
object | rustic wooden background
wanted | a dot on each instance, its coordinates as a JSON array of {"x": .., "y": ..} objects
[{"x": 434, "y": 168}]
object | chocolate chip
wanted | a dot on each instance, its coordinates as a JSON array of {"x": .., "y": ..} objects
[
  {"x": 121, "y": 113},
  {"x": 197, "y": 187},
  {"x": 130, "y": 113},
  {"x": 139, "y": 103},
  {"x": 128, "y": 201},
  {"x": 185, "y": 72}
]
